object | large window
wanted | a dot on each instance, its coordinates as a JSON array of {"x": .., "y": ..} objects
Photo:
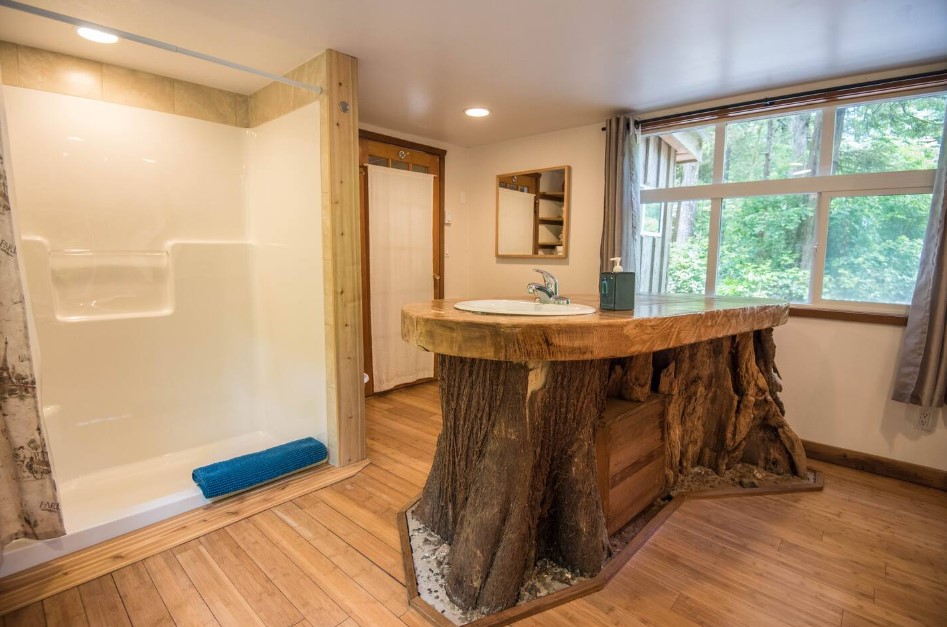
[{"x": 825, "y": 206}]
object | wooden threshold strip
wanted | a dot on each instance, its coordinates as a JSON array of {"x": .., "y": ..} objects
[{"x": 43, "y": 580}]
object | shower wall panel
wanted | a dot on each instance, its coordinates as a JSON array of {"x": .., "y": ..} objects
[
  {"x": 285, "y": 223},
  {"x": 147, "y": 337}
]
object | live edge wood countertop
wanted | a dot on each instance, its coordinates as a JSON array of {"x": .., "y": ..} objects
[{"x": 658, "y": 322}]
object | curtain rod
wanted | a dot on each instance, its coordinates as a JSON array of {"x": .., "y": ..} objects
[
  {"x": 813, "y": 96},
  {"x": 155, "y": 43}
]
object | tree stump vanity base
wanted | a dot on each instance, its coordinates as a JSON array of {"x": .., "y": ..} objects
[{"x": 515, "y": 478}]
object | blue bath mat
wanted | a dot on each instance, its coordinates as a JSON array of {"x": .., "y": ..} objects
[{"x": 247, "y": 471}]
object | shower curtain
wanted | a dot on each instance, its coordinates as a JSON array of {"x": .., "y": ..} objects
[
  {"x": 29, "y": 504},
  {"x": 401, "y": 252}
]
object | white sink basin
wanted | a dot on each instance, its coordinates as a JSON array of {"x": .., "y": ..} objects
[{"x": 523, "y": 308}]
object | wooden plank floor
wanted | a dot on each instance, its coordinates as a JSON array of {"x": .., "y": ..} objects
[{"x": 866, "y": 551}]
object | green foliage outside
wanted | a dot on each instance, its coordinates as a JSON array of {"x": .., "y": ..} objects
[
  {"x": 889, "y": 136},
  {"x": 773, "y": 148},
  {"x": 687, "y": 260},
  {"x": 766, "y": 246},
  {"x": 873, "y": 247},
  {"x": 766, "y": 242}
]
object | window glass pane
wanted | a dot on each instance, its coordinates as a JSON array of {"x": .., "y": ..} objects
[
  {"x": 677, "y": 159},
  {"x": 651, "y": 214},
  {"x": 773, "y": 148},
  {"x": 675, "y": 261},
  {"x": 400, "y": 165},
  {"x": 874, "y": 246},
  {"x": 420, "y": 168},
  {"x": 687, "y": 257},
  {"x": 376, "y": 160},
  {"x": 766, "y": 245},
  {"x": 889, "y": 136}
]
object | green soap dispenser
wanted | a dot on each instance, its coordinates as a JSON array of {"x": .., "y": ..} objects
[{"x": 616, "y": 289}]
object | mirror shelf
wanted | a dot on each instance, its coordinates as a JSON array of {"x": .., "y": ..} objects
[{"x": 532, "y": 213}]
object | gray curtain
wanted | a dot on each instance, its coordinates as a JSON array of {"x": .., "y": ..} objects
[
  {"x": 622, "y": 223},
  {"x": 922, "y": 369},
  {"x": 29, "y": 503}
]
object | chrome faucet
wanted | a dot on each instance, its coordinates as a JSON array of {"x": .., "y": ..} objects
[{"x": 548, "y": 291}]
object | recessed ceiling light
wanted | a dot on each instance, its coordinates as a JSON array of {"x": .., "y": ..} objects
[
  {"x": 99, "y": 37},
  {"x": 477, "y": 112}
]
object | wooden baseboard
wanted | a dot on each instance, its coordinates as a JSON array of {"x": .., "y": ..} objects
[
  {"x": 905, "y": 471},
  {"x": 44, "y": 580},
  {"x": 402, "y": 386}
]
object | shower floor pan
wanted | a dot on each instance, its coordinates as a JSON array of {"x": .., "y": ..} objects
[{"x": 109, "y": 503}]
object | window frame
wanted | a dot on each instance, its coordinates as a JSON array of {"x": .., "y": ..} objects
[{"x": 823, "y": 183}]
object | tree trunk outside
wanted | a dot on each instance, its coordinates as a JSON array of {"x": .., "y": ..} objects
[
  {"x": 768, "y": 151},
  {"x": 684, "y": 226}
]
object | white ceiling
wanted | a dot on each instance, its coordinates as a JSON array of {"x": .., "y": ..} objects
[{"x": 540, "y": 65}]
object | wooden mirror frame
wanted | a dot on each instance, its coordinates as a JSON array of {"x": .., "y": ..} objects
[{"x": 566, "y": 213}]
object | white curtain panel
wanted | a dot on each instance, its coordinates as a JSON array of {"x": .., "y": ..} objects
[
  {"x": 401, "y": 249},
  {"x": 515, "y": 230}
]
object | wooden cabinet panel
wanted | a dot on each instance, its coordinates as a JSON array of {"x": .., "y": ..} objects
[{"x": 630, "y": 454}]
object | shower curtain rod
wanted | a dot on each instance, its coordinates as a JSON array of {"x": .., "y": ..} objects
[{"x": 154, "y": 43}]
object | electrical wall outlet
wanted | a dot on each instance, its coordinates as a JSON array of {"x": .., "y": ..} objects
[{"x": 925, "y": 419}]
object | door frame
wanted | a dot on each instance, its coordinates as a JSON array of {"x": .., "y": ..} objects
[{"x": 437, "y": 235}]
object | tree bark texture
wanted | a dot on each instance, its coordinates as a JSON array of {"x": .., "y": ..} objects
[
  {"x": 514, "y": 477},
  {"x": 724, "y": 407},
  {"x": 630, "y": 378},
  {"x": 514, "y": 474}
]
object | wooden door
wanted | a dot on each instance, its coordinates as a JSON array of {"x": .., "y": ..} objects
[{"x": 390, "y": 152}]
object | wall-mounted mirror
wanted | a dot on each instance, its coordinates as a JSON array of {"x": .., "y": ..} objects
[{"x": 533, "y": 213}]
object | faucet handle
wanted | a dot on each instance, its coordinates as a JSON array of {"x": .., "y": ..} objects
[{"x": 549, "y": 280}]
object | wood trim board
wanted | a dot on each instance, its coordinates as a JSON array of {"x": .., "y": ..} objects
[
  {"x": 342, "y": 259},
  {"x": 410, "y": 575},
  {"x": 896, "y": 469},
  {"x": 896, "y": 320},
  {"x": 44, "y": 580},
  {"x": 870, "y": 90},
  {"x": 391, "y": 139}
]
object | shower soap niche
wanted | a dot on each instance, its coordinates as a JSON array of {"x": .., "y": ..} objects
[{"x": 105, "y": 285}]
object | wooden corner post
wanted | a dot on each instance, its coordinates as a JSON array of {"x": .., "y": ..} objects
[{"x": 341, "y": 257}]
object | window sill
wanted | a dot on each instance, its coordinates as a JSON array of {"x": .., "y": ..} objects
[{"x": 896, "y": 319}]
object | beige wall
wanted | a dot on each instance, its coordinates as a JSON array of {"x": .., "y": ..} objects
[
  {"x": 838, "y": 378},
  {"x": 581, "y": 148}
]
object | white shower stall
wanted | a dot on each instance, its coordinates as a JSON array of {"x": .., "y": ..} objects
[{"x": 175, "y": 277}]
